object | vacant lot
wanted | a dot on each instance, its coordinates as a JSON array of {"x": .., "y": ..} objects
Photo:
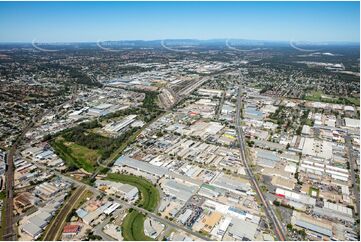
[{"x": 76, "y": 156}]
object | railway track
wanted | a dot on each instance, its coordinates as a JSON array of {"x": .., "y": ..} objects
[
  {"x": 59, "y": 220},
  {"x": 277, "y": 225}
]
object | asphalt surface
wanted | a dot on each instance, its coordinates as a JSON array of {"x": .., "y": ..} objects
[
  {"x": 277, "y": 225},
  {"x": 98, "y": 230},
  {"x": 127, "y": 205}
]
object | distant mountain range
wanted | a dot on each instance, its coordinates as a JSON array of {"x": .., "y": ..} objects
[{"x": 184, "y": 43}]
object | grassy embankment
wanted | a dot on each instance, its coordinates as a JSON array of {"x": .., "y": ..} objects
[{"x": 133, "y": 223}]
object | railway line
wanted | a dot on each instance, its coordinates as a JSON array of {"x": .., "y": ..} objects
[
  {"x": 278, "y": 229},
  {"x": 58, "y": 222}
]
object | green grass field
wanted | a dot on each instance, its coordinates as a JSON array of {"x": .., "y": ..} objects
[
  {"x": 83, "y": 153},
  {"x": 133, "y": 223},
  {"x": 354, "y": 100},
  {"x": 76, "y": 155},
  {"x": 133, "y": 227},
  {"x": 318, "y": 96}
]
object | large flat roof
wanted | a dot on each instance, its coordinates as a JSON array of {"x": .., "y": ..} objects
[{"x": 140, "y": 165}]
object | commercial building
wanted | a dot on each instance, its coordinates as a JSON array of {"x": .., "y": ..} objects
[
  {"x": 318, "y": 226},
  {"x": 124, "y": 190},
  {"x": 296, "y": 197},
  {"x": 119, "y": 126},
  {"x": 180, "y": 191},
  {"x": 140, "y": 166},
  {"x": 232, "y": 184}
]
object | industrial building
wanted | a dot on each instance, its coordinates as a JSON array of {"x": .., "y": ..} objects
[
  {"x": 179, "y": 190},
  {"x": 318, "y": 226},
  {"x": 124, "y": 190},
  {"x": 140, "y": 166}
]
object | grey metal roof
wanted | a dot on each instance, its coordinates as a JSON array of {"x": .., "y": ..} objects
[
  {"x": 32, "y": 229},
  {"x": 241, "y": 228},
  {"x": 141, "y": 165},
  {"x": 40, "y": 222},
  {"x": 313, "y": 227}
]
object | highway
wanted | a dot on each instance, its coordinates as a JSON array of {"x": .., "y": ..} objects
[{"x": 278, "y": 228}]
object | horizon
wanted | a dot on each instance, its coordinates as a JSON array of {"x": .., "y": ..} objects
[
  {"x": 193, "y": 39},
  {"x": 87, "y": 22}
]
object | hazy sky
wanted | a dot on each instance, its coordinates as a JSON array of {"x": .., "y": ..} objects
[{"x": 93, "y": 21}]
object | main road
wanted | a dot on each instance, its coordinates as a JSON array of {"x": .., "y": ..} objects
[
  {"x": 127, "y": 205},
  {"x": 278, "y": 229}
]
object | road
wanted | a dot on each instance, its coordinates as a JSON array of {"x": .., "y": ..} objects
[
  {"x": 98, "y": 230},
  {"x": 124, "y": 204},
  {"x": 352, "y": 161},
  {"x": 278, "y": 228},
  {"x": 57, "y": 224}
]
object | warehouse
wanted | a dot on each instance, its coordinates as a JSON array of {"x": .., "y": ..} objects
[
  {"x": 185, "y": 216},
  {"x": 235, "y": 185},
  {"x": 337, "y": 211},
  {"x": 91, "y": 216},
  {"x": 242, "y": 230},
  {"x": 118, "y": 126},
  {"x": 32, "y": 230},
  {"x": 267, "y": 158},
  {"x": 296, "y": 197},
  {"x": 124, "y": 190},
  {"x": 140, "y": 166},
  {"x": 180, "y": 191},
  {"x": 111, "y": 209},
  {"x": 319, "y": 226},
  {"x": 318, "y": 148},
  {"x": 352, "y": 123}
]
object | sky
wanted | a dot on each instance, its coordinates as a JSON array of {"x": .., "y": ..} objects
[{"x": 102, "y": 21}]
